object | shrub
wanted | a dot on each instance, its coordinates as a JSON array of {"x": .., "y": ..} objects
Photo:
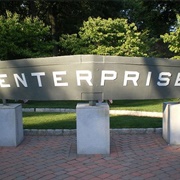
[
  {"x": 107, "y": 37},
  {"x": 23, "y": 38}
]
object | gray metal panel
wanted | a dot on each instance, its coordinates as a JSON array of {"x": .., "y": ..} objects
[{"x": 67, "y": 84}]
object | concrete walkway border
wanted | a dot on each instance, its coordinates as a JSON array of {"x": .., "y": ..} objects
[
  {"x": 62, "y": 110},
  {"x": 64, "y": 132},
  {"x": 112, "y": 112}
]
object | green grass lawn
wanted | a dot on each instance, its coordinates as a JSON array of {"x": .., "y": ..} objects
[
  {"x": 43, "y": 120},
  {"x": 68, "y": 121},
  {"x": 137, "y": 105}
]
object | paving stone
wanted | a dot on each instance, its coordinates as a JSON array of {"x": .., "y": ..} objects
[
  {"x": 58, "y": 132},
  {"x": 28, "y": 109},
  {"x": 42, "y": 132},
  {"x": 69, "y": 131},
  {"x": 135, "y": 156},
  {"x": 33, "y": 132},
  {"x": 158, "y": 130},
  {"x": 50, "y": 132},
  {"x": 138, "y": 131},
  {"x": 26, "y": 131},
  {"x": 150, "y": 130}
]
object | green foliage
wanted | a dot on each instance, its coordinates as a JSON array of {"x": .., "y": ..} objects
[
  {"x": 65, "y": 17},
  {"x": 106, "y": 37},
  {"x": 23, "y": 38},
  {"x": 173, "y": 39}
]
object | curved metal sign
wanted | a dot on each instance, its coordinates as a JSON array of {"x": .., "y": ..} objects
[{"x": 89, "y": 77}]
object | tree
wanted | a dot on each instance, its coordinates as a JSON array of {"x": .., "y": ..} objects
[
  {"x": 156, "y": 16},
  {"x": 12, "y": 6},
  {"x": 23, "y": 38},
  {"x": 173, "y": 39},
  {"x": 66, "y": 17},
  {"x": 62, "y": 16},
  {"x": 107, "y": 37}
]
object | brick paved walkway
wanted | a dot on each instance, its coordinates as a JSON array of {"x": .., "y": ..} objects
[{"x": 137, "y": 156}]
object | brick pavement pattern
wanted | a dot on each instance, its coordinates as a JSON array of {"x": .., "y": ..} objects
[{"x": 133, "y": 156}]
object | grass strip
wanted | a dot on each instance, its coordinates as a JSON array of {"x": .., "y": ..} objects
[
  {"x": 68, "y": 121},
  {"x": 135, "y": 122},
  {"x": 135, "y": 105},
  {"x": 32, "y": 120}
]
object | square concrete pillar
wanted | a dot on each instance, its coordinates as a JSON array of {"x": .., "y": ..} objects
[
  {"x": 11, "y": 126},
  {"x": 171, "y": 122},
  {"x": 93, "y": 132}
]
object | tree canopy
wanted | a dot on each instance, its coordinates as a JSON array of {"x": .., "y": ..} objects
[
  {"x": 107, "y": 37},
  {"x": 67, "y": 17},
  {"x": 173, "y": 39},
  {"x": 23, "y": 38}
]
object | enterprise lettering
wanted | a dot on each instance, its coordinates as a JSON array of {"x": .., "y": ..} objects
[{"x": 129, "y": 77}]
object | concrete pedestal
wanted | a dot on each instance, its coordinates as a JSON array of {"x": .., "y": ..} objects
[
  {"x": 171, "y": 122},
  {"x": 93, "y": 133},
  {"x": 11, "y": 127}
]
